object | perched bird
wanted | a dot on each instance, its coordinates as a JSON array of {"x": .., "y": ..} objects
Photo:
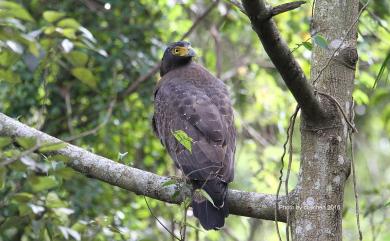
[{"x": 190, "y": 100}]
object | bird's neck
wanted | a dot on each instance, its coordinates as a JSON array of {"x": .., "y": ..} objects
[{"x": 167, "y": 67}]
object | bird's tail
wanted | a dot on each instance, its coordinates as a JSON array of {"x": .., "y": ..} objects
[{"x": 211, "y": 216}]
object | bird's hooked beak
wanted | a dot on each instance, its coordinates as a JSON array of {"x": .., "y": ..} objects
[{"x": 190, "y": 52}]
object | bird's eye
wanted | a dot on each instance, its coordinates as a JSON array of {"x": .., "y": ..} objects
[{"x": 176, "y": 51}]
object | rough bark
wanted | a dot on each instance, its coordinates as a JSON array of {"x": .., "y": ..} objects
[
  {"x": 141, "y": 182},
  {"x": 317, "y": 211},
  {"x": 324, "y": 162}
]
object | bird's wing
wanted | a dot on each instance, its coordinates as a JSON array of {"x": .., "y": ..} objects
[{"x": 180, "y": 105}]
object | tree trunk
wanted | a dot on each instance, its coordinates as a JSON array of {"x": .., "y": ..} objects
[{"x": 325, "y": 165}]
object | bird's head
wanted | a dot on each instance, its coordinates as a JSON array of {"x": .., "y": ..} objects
[{"x": 176, "y": 54}]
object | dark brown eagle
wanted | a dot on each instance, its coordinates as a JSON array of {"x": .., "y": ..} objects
[{"x": 189, "y": 99}]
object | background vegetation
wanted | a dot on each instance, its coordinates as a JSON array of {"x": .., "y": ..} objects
[{"x": 64, "y": 66}]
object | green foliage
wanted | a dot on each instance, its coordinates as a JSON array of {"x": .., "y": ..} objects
[
  {"x": 204, "y": 194},
  {"x": 321, "y": 41},
  {"x": 183, "y": 139}
]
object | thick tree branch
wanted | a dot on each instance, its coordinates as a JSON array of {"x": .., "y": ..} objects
[
  {"x": 240, "y": 203},
  {"x": 282, "y": 58}
]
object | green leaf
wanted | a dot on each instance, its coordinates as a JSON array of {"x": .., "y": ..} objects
[
  {"x": 321, "y": 41},
  {"x": 12, "y": 9},
  {"x": 9, "y": 76},
  {"x": 33, "y": 48},
  {"x": 59, "y": 157},
  {"x": 52, "y": 147},
  {"x": 22, "y": 197},
  {"x": 77, "y": 58},
  {"x": 360, "y": 97},
  {"x": 5, "y": 141},
  {"x": 53, "y": 201},
  {"x": 49, "y": 30},
  {"x": 26, "y": 142},
  {"x": 69, "y": 33},
  {"x": 307, "y": 45},
  {"x": 205, "y": 195},
  {"x": 169, "y": 182},
  {"x": 52, "y": 16},
  {"x": 3, "y": 175},
  {"x": 43, "y": 183},
  {"x": 183, "y": 139},
  {"x": 85, "y": 75},
  {"x": 175, "y": 194},
  {"x": 68, "y": 23}
]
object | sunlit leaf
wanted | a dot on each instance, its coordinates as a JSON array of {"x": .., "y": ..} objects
[
  {"x": 68, "y": 23},
  {"x": 12, "y": 9},
  {"x": 85, "y": 75},
  {"x": 360, "y": 97},
  {"x": 52, "y": 16},
  {"x": 77, "y": 58},
  {"x": 183, "y": 139},
  {"x": 67, "y": 32},
  {"x": 43, "y": 183},
  {"x": 52, "y": 147},
  {"x": 33, "y": 49},
  {"x": 26, "y": 142},
  {"x": 63, "y": 211},
  {"x": 22, "y": 197},
  {"x": 53, "y": 201},
  {"x": 5, "y": 141}
]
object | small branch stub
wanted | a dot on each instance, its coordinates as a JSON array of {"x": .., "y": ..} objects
[{"x": 285, "y": 7}]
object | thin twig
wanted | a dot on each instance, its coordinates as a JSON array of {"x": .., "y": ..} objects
[
  {"x": 352, "y": 126},
  {"x": 285, "y": 7},
  {"x": 151, "y": 213},
  {"x": 98, "y": 127},
  {"x": 290, "y": 150},
  {"x": 290, "y": 126},
  {"x": 341, "y": 44},
  {"x": 357, "y": 212},
  {"x": 200, "y": 19},
  {"x": 184, "y": 223},
  {"x": 217, "y": 41},
  {"x": 237, "y": 4},
  {"x": 24, "y": 153},
  {"x": 68, "y": 105}
]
